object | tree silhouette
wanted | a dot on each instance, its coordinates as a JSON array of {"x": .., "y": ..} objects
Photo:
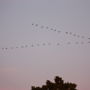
[{"x": 58, "y": 84}]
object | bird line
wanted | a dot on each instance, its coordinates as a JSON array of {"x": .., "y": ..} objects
[{"x": 49, "y": 43}]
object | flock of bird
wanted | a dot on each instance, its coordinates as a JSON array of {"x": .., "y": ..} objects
[
  {"x": 58, "y": 31},
  {"x": 49, "y": 43}
]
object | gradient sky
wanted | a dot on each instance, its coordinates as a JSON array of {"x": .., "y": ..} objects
[{"x": 31, "y": 53}]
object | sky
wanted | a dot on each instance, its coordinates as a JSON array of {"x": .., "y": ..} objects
[{"x": 41, "y": 39}]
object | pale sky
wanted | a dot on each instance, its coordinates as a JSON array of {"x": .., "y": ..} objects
[{"x": 40, "y": 39}]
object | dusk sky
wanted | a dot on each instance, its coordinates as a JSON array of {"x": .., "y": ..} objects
[{"x": 40, "y": 39}]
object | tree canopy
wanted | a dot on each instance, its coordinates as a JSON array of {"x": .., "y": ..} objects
[{"x": 58, "y": 84}]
